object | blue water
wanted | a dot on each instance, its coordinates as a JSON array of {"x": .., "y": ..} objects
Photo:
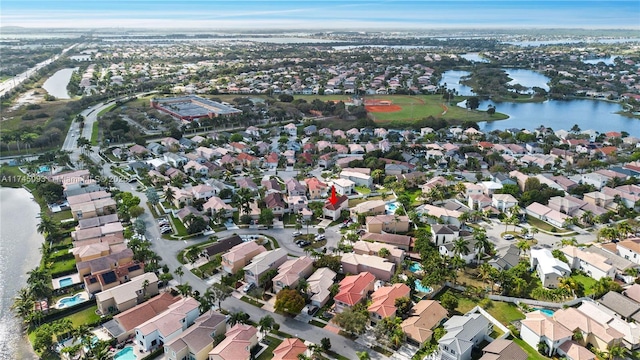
[
  {"x": 65, "y": 282},
  {"x": 125, "y": 354},
  {"x": 71, "y": 301},
  {"x": 422, "y": 288},
  {"x": 544, "y": 311},
  {"x": 44, "y": 168},
  {"x": 391, "y": 207},
  {"x": 415, "y": 267}
]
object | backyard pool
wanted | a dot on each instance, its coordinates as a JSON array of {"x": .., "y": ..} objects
[
  {"x": 65, "y": 282},
  {"x": 71, "y": 301},
  {"x": 391, "y": 207},
  {"x": 125, "y": 354},
  {"x": 422, "y": 288},
  {"x": 43, "y": 168},
  {"x": 544, "y": 311},
  {"x": 415, "y": 267}
]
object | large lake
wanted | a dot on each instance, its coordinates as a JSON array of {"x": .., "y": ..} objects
[
  {"x": 588, "y": 114},
  {"x": 56, "y": 85},
  {"x": 19, "y": 253}
]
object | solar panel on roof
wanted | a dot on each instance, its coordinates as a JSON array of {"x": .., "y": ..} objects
[
  {"x": 133, "y": 268},
  {"x": 109, "y": 277}
]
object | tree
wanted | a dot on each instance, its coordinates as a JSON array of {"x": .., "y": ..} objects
[
  {"x": 482, "y": 245},
  {"x": 384, "y": 252},
  {"x": 152, "y": 196},
  {"x": 363, "y": 355},
  {"x": 403, "y": 307},
  {"x": 238, "y": 318},
  {"x": 179, "y": 272},
  {"x": 352, "y": 320},
  {"x": 266, "y": 217},
  {"x": 325, "y": 343},
  {"x": 449, "y": 302},
  {"x": 220, "y": 292},
  {"x": 461, "y": 246},
  {"x": 523, "y": 245},
  {"x": 266, "y": 323},
  {"x": 47, "y": 226},
  {"x": 473, "y": 103},
  {"x": 290, "y": 301},
  {"x": 169, "y": 195}
]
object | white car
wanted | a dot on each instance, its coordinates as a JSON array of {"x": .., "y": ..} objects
[
  {"x": 296, "y": 233},
  {"x": 528, "y": 236},
  {"x": 508, "y": 237}
]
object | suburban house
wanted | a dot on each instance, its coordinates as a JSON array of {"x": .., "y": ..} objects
[
  {"x": 625, "y": 307},
  {"x": 332, "y": 211},
  {"x": 276, "y": 203},
  {"x": 291, "y": 271},
  {"x": 387, "y": 223},
  {"x": 548, "y": 268},
  {"x": 539, "y": 328},
  {"x": 262, "y": 263},
  {"x": 425, "y": 316},
  {"x": 165, "y": 326},
  {"x": 594, "y": 265},
  {"x": 444, "y": 234},
  {"x": 237, "y": 345},
  {"x": 353, "y": 289},
  {"x": 93, "y": 208},
  {"x": 112, "y": 276},
  {"x": 599, "y": 336},
  {"x": 358, "y": 178},
  {"x": 396, "y": 255},
  {"x": 630, "y": 250},
  {"x": 449, "y": 250},
  {"x": 383, "y": 301},
  {"x": 547, "y": 214},
  {"x": 320, "y": 283},
  {"x": 343, "y": 186},
  {"x": 289, "y": 349},
  {"x": 371, "y": 207},
  {"x": 502, "y": 349},
  {"x": 122, "y": 326},
  {"x": 463, "y": 334},
  {"x": 400, "y": 241},
  {"x": 240, "y": 255},
  {"x": 220, "y": 246},
  {"x": 125, "y": 296},
  {"x": 572, "y": 350},
  {"x": 218, "y": 206},
  {"x": 316, "y": 188},
  {"x": 510, "y": 259},
  {"x": 196, "y": 342},
  {"x": 381, "y": 268},
  {"x": 604, "y": 316},
  {"x": 100, "y": 256},
  {"x": 503, "y": 202}
]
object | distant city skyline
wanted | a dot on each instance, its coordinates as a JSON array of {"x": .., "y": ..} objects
[{"x": 319, "y": 15}]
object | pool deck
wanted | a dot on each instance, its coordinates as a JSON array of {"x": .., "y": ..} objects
[{"x": 74, "y": 277}]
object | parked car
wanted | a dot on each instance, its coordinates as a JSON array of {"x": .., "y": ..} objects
[
  {"x": 312, "y": 309},
  {"x": 528, "y": 236},
  {"x": 248, "y": 287},
  {"x": 296, "y": 233},
  {"x": 508, "y": 237},
  {"x": 321, "y": 237}
]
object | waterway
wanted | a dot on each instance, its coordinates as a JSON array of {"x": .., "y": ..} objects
[
  {"x": 607, "y": 61},
  {"x": 474, "y": 57},
  {"x": 596, "y": 115},
  {"x": 56, "y": 85},
  {"x": 19, "y": 253}
]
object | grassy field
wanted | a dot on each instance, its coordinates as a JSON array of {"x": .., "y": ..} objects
[
  {"x": 86, "y": 316},
  {"x": 505, "y": 312},
  {"x": 586, "y": 281},
  {"x": 94, "y": 134}
]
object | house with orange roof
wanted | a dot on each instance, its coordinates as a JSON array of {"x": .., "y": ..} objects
[
  {"x": 383, "y": 301},
  {"x": 381, "y": 268},
  {"x": 240, "y": 255},
  {"x": 425, "y": 316},
  {"x": 574, "y": 351},
  {"x": 600, "y": 336},
  {"x": 353, "y": 289},
  {"x": 237, "y": 345},
  {"x": 316, "y": 188},
  {"x": 291, "y": 271},
  {"x": 539, "y": 328},
  {"x": 289, "y": 349},
  {"x": 122, "y": 326}
]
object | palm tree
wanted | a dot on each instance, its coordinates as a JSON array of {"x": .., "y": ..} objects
[
  {"x": 523, "y": 245},
  {"x": 617, "y": 352},
  {"x": 169, "y": 195},
  {"x": 484, "y": 271},
  {"x": 461, "y": 246},
  {"x": 47, "y": 226},
  {"x": 569, "y": 284},
  {"x": 266, "y": 323},
  {"x": 587, "y": 217},
  {"x": 482, "y": 241},
  {"x": 184, "y": 289},
  {"x": 23, "y": 303},
  {"x": 238, "y": 318},
  {"x": 624, "y": 229},
  {"x": 179, "y": 272}
]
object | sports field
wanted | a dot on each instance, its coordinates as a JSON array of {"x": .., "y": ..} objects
[{"x": 405, "y": 108}]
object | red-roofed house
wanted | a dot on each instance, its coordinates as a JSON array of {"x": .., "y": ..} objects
[
  {"x": 289, "y": 349},
  {"x": 317, "y": 189},
  {"x": 353, "y": 289},
  {"x": 384, "y": 299},
  {"x": 332, "y": 210}
]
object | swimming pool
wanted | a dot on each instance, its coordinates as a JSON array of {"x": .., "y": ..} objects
[
  {"x": 544, "y": 311},
  {"x": 391, "y": 207},
  {"x": 70, "y": 301},
  {"x": 65, "y": 282},
  {"x": 43, "y": 168},
  {"x": 415, "y": 267},
  {"x": 125, "y": 354},
  {"x": 422, "y": 288}
]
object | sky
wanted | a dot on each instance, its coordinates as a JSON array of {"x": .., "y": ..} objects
[{"x": 327, "y": 14}]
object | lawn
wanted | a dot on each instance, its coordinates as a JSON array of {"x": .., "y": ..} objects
[
  {"x": 464, "y": 304},
  {"x": 532, "y": 353},
  {"x": 86, "y": 316},
  {"x": 542, "y": 225},
  {"x": 354, "y": 202},
  {"x": 61, "y": 215},
  {"x": 63, "y": 267},
  {"x": 505, "y": 312},
  {"x": 179, "y": 226},
  {"x": 268, "y": 352},
  {"x": 586, "y": 281},
  {"x": 94, "y": 134},
  {"x": 251, "y": 301},
  {"x": 363, "y": 190}
]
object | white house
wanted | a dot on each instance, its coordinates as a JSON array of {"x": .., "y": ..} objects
[
  {"x": 630, "y": 250},
  {"x": 358, "y": 178},
  {"x": 463, "y": 334},
  {"x": 595, "y": 265},
  {"x": 262, "y": 263},
  {"x": 549, "y": 269},
  {"x": 546, "y": 214},
  {"x": 503, "y": 202},
  {"x": 333, "y": 211},
  {"x": 444, "y": 234},
  {"x": 538, "y": 327},
  {"x": 343, "y": 186},
  {"x": 167, "y": 325}
]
